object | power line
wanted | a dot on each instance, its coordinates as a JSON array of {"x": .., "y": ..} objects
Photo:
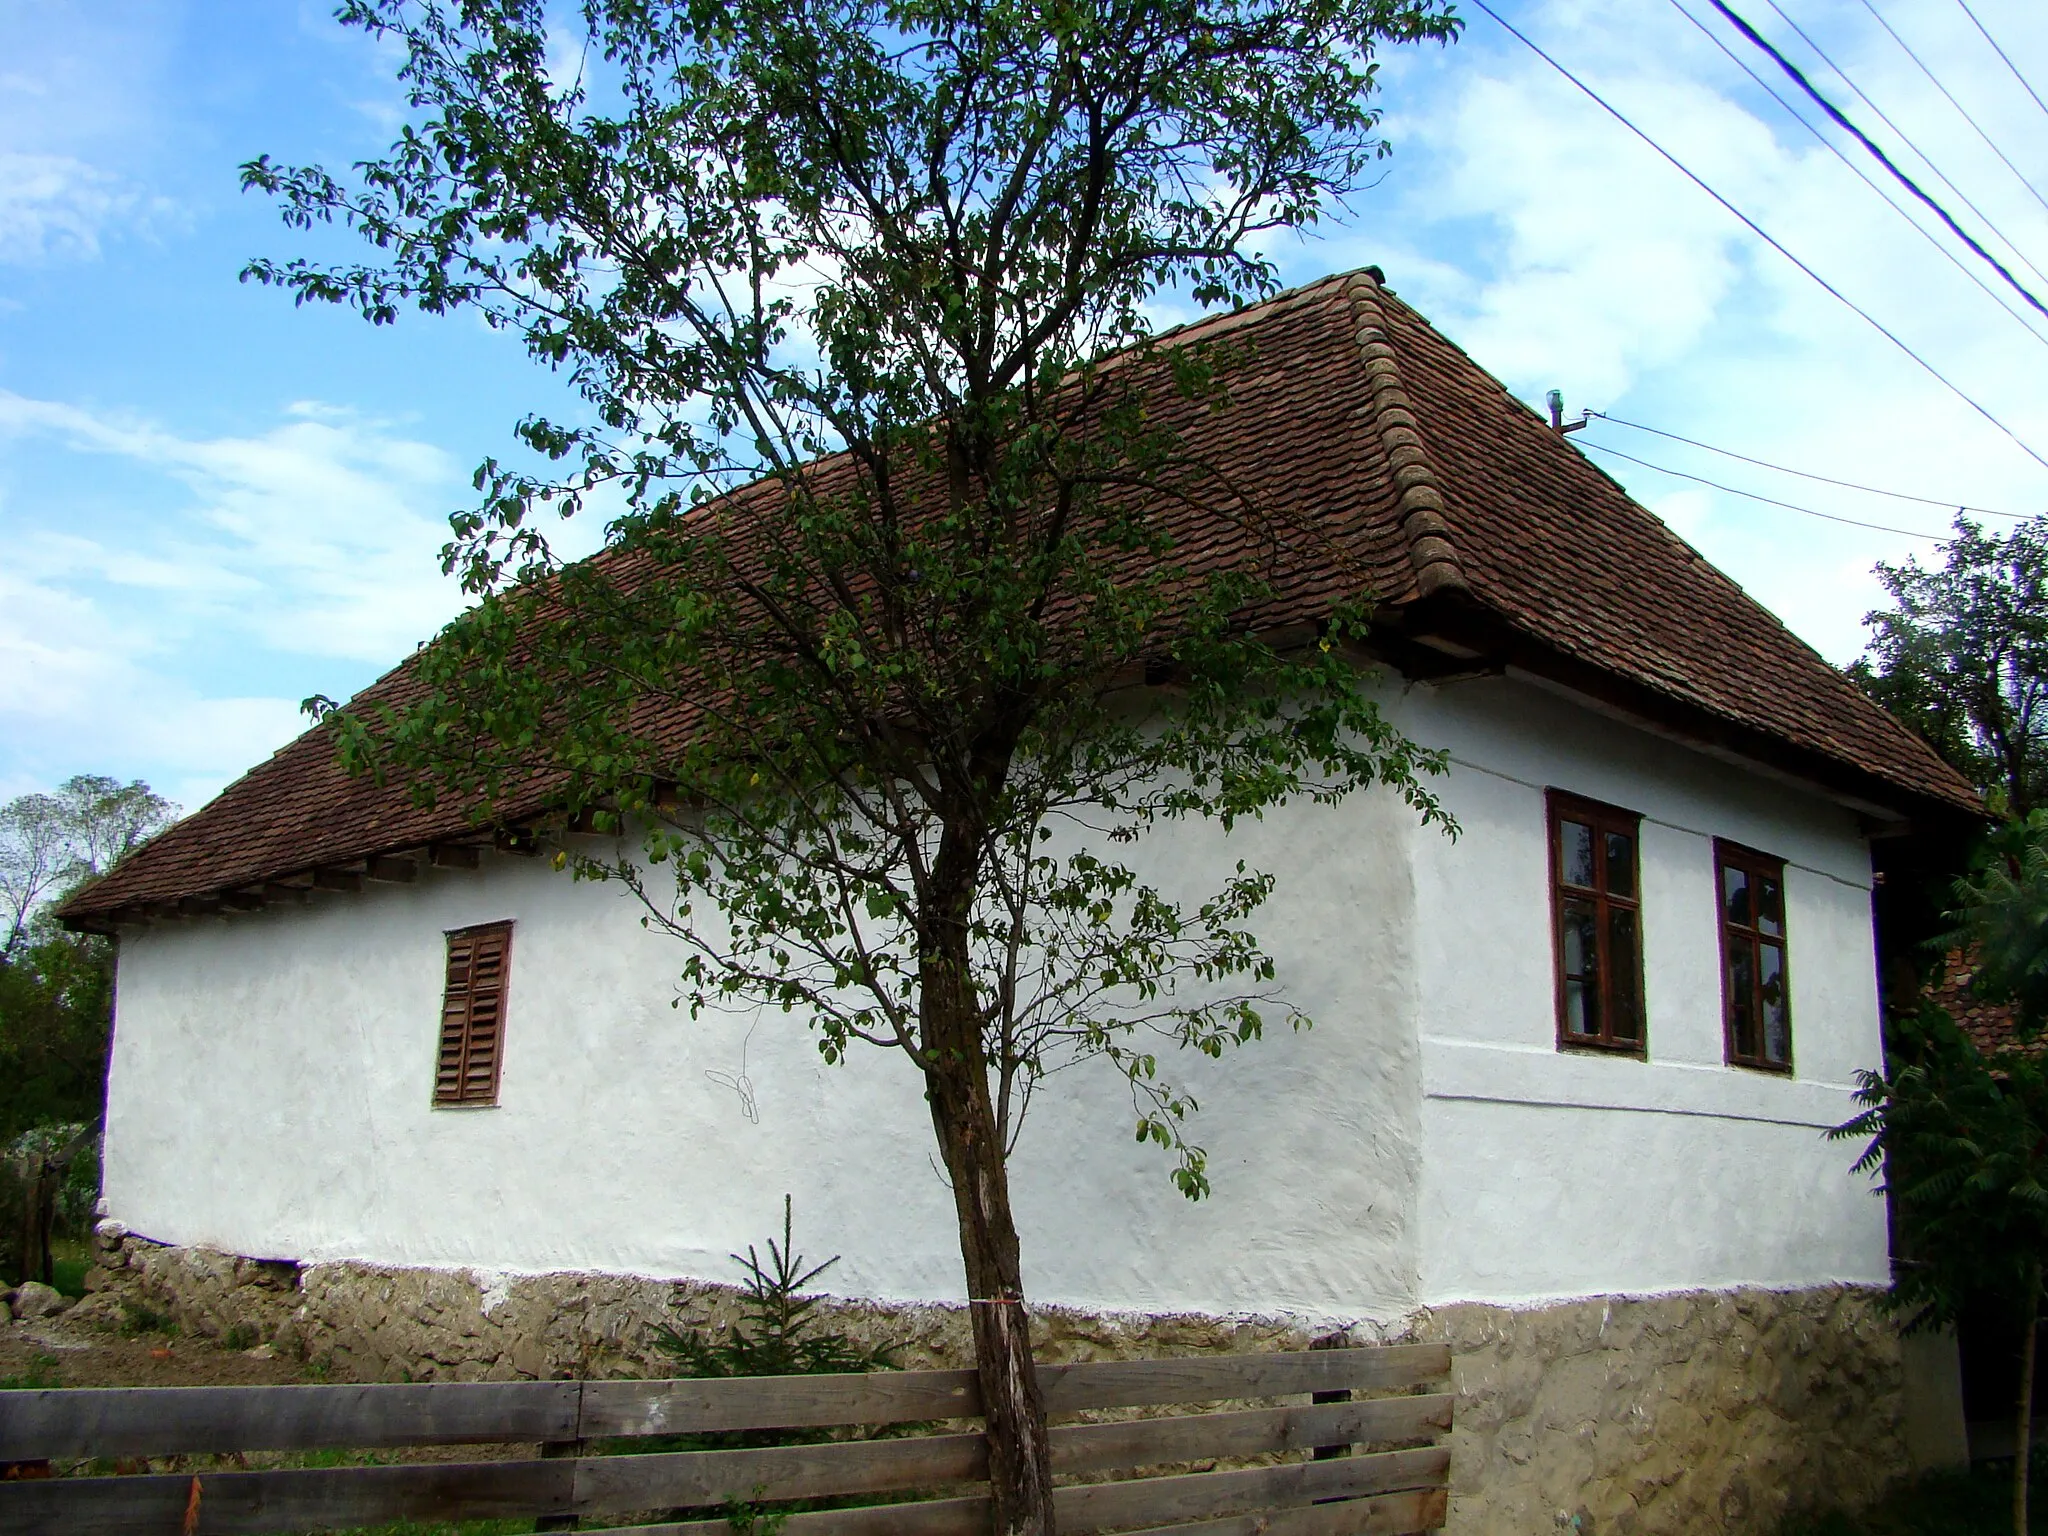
[
  {"x": 1841, "y": 120},
  {"x": 1859, "y": 173},
  {"x": 1935, "y": 80},
  {"x": 1784, "y": 469},
  {"x": 1907, "y": 139},
  {"x": 2043, "y": 105},
  {"x": 1772, "y": 501},
  {"x": 1758, "y": 230}
]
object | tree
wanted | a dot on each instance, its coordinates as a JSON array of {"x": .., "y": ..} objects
[
  {"x": 56, "y": 990},
  {"x": 56, "y": 1006},
  {"x": 50, "y": 844},
  {"x": 944, "y": 658},
  {"x": 1962, "y": 1138},
  {"x": 1962, "y": 658}
]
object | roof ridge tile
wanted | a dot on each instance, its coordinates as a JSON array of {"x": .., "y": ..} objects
[{"x": 1420, "y": 504}]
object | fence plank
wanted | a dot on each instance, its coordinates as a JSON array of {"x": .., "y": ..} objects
[
  {"x": 882, "y": 1466},
  {"x": 617, "y": 1408},
  {"x": 931, "y": 1517},
  {"x": 1205, "y": 1495},
  {"x": 1213, "y": 1378},
  {"x": 167, "y": 1421},
  {"x": 620, "y": 1408},
  {"x": 712, "y": 1478},
  {"x": 293, "y": 1499},
  {"x": 243, "y": 1503},
  {"x": 157, "y": 1421},
  {"x": 1254, "y": 1432},
  {"x": 1199, "y": 1497},
  {"x": 1385, "y": 1514}
]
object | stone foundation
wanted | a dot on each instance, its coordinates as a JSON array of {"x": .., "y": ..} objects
[
  {"x": 1713, "y": 1411},
  {"x": 362, "y": 1322},
  {"x": 1710, "y": 1412}
]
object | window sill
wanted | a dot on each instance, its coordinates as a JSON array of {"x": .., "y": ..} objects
[
  {"x": 1768, "y": 1068},
  {"x": 1640, "y": 1051}
]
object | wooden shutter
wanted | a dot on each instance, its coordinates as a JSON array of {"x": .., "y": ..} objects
[{"x": 473, "y": 1015}]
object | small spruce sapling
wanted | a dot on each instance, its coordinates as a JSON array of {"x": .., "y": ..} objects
[{"x": 779, "y": 1332}]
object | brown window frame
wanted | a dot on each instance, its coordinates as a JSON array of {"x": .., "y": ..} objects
[
  {"x": 1602, "y": 818},
  {"x": 462, "y": 1029},
  {"x": 1757, "y": 866}
]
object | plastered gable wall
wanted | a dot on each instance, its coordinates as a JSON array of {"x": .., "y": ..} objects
[
  {"x": 269, "y": 1096},
  {"x": 1551, "y": 1174}
]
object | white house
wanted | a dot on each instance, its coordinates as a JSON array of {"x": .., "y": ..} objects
[{"x": 1563, "y": 1102}]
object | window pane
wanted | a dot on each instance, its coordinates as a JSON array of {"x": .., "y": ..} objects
[
  {"x": 1735, "y": 895},
  {"x": 1581, "y": 940},
  {"x": 1575, "y": 854},
  {"x": 1624, "y": 974},
  {"x": 1621, "y": 864},
  {"x": 1770, "y": 904},
  {"x": 1581, "y": 943},
  {"x": 1581, "y": 1013},
  {"x": 1742, "y": 997},
  {"x": 1776, "y": 1005}
]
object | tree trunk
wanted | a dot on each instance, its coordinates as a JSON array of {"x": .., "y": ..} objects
[
  {"x": 963, "y": 1116},
  {"x": 2023, "y": 1428}
]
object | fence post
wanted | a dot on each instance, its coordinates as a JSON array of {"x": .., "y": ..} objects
[{"x": 551, "y": 1450}]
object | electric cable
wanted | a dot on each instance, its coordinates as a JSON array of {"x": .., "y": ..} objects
[
  {"x": 1786, "y": 469},
  {"x": 1758, "y": 230},
  {"x": 1859, "y": 173},
  {"x": 2043, "y": 105},
  {"x": 1789, "y": 506},
  {"x": 1841, "y": 120},
  {"x": 1935, "y": 80},
  {"x": 1907, "y": 139}
]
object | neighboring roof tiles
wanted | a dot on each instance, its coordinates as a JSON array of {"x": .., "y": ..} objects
[
  {"x": 1992, "y": 1027},
  {"x": 1352, "y": 412}
]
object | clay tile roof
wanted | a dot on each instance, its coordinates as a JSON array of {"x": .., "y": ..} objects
[
  {"x": 1992, "y": 1027},
  {"x": 1452, "y": 498}
]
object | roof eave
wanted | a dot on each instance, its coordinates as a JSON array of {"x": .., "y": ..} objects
[{"x": 1483, "y": 641}]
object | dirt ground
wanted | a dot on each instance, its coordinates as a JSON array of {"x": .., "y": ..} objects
[{"x": 47, "y": 1352}]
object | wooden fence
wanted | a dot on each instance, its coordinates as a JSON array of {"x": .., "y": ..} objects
[{"x": 1343, "y": 1490}]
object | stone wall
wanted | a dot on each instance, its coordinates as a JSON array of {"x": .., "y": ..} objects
[
  {"x": 362, "y": 1322},
  {"x": 1706, "y": 1414},
  {"x": 1715, "y": 1411}
]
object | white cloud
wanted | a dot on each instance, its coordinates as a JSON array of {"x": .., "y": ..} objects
[
  {"x": 129, "y": 630},
  {"x": 82, "y": 134},
  {"x": 54, "y": 207}
]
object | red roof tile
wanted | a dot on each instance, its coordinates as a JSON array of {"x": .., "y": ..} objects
[
  {"x": 1992, "y": 1027},
  {"x": 1352, "y": 414}
]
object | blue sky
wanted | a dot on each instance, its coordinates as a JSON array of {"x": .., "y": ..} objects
[{"x": 213, "y": 505}]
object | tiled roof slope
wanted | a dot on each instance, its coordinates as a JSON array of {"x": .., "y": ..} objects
[
  {"x": 1992, "y": 1027},
  {"x": 1562, "y": 553},
  {"x": 1352, "y": 412}
]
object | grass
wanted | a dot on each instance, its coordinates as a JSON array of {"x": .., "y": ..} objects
[
  {"x": 70, "y": 1258},
  {"x": 41, "y": 1373},
  {"x": 1973, "y": 1503}
]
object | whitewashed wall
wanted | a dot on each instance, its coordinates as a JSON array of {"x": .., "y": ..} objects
[
  {"x": 1551, "y": 1174},
  {"x": 270, "y": 1086},
  {"x": 272, "y": 1073}
]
